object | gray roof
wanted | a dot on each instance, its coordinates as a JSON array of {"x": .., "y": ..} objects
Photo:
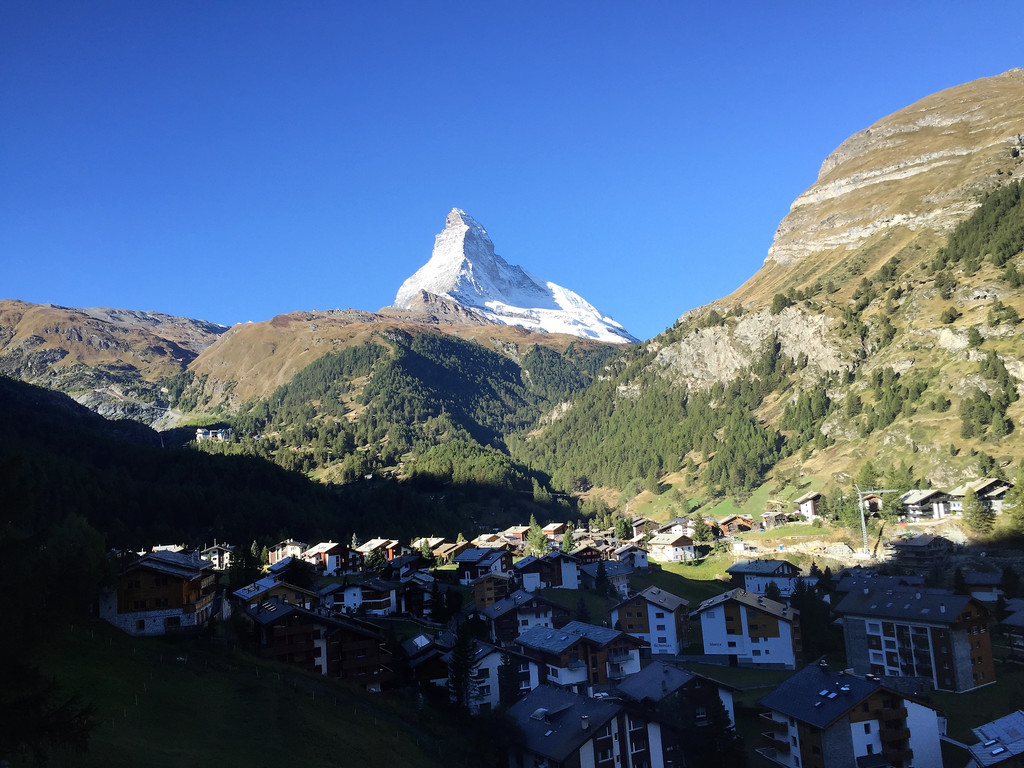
[
  {"x": 611, "y": 568},
  {"x": 751, "y": 600},
  {"x": 551, "y": 720},
  {"x": 558, "y": 640},
  {"x": 512, "y": 602},
  {"x": 654, "y": 682},
  {"x": 849, "y": 583},
  {"x": 818, "y": 696},
  {"x": 760, "y": 567},
  {"x": 999, "y": 740},
  {"x": 937, "y": 606},
  {"x": 660, "y": 597},
  {"x": 180, "y": 564}
]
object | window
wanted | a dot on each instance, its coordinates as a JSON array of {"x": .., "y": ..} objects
[
  {"x": 732, "y": 643},
  {"x": 140, "y": 625},
  {"x": 662, "y": 640},
  {"x": 660, "y": 627},
  {"x": 867, "y": 727},
  {"x": 659, "y": 615},
  {"x": 710, "y": 614}
]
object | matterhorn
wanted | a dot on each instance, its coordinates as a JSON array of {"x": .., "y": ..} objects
[{"x": 465, "y": 269}]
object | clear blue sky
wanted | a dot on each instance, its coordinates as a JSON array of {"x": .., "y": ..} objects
[{"x": 236, "y": 160}]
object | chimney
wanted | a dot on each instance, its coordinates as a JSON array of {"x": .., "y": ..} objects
[
  {"x": 584, "y": 722},
  {"x": 942, "y": 607}
]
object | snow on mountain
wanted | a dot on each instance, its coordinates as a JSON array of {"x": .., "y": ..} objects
[{"x": 464, "y": 268}]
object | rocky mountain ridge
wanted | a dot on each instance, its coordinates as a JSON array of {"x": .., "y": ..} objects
[{"x": 464, "y": 269}]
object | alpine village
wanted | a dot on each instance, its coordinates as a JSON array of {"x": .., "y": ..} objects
[{"x": 788, "y": 531}]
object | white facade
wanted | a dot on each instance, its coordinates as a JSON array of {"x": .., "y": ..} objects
[
  {"x": 671, "y": 548},
  {"x": 757, "y": 650}
]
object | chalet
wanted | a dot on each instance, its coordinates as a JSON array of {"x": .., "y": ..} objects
[
  {"x": 655, "y": 616},
  {"x": 516, "y": 532},
  {"x": 339, "y": 647},
  {"x": 286, "y": 548},
  {"x": 671, "y": 547},
  {"x": 633, "y": 556},
  {"x": 1000, "y": 743},
  {"x": 818, "y": 718},
  {"x": 531, "y": 572},
  {"x": 474, "y": 562},
  {"x": 924, "y": 504},
  {"x": 755, "y": 575},
  {"x": 560, "y": 729},
  {"x": 586, "y": 554},
  {"x": 929, "y": 633},
  {"x": 750, "y": 630},
  {"x": 581, "y": 656},
  {"x": 389, "y": 548},
  {"x": 617, "y": 574},
  {"x": 403, "y": 567},
  {"x": 490, "y": 588},
  {"x": 373, "y": 597},
  {"x": 520, "y": 611},
  {"x": 807, "y": 505},
  {"x": 554, "y": 531},
  {"x": 733, "y": 524},
  {"x": 555, "y": 569},
  {"x": 990, "y": 490},
  {"x": 220, "y": 555},
  {"x": 921, "y": 552},
  {"x": 161, "y": 593},
  {"x": 448, "y": 551},
  {"x": 272, "y": 588},
  {"x": 331, "y": 559}
]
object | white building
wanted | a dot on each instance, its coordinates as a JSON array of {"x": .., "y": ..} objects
[
  {"x": 751, "y": 630},
  {"x": 656, "y": 616},
  {"x": 671, "y": 547}
]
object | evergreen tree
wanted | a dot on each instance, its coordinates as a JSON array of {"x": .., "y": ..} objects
[
  {"x": 462, "y": 668},
  {"x": 568, "y": 543},
  {"x": 1013, "y": 503},
  {"x": 582, "y": 612},
  {"x": 702, "y": 533},
  {"x": 602, "y": 585},
  {"x": 772, "y": 591},
  {"x": 959, "y": 582},
  {"x": 1010, "y": 583},
  {"x": 374, "y": 560},
  {"x": 623, "y": 532},
  {"x": 536, "y": 541},
  {"x": 508, "y": 681},
  {"x": 976, "y": 517}
]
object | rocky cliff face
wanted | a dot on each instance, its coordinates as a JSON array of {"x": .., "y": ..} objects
[
  {"x": 919, "y": 168},
  {"x": 107, "y": 359},
  {"x": 464, "y": 269}
]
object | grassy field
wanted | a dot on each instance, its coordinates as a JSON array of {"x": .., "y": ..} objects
[{"x": 171, "y": 702}]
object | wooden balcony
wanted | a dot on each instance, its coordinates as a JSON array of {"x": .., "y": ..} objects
[
  {"x": 885, "y": 715},
  {"x": 767, "y": 721},
  {"x": 769, "y": 740}
]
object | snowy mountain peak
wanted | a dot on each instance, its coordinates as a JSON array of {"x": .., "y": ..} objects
[{"x": 465, "y": 269}]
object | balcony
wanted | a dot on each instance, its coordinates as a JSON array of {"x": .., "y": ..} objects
[
  {"x": 776, "y": 744},
  {"x": 776, "y": 725},
  {"x": 894, "y": 734},
  {"x": 899, "y": 713}
]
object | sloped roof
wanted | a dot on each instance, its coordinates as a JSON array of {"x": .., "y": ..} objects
[
  {"x": 937, "y": 606},
  {"x": 558, "y": 640},
  {"x": 818, "y": 696},
  {"x": 654, "y": 682},
  {"x": 999, "y": 740},
  {"x": 552, "y": 720},
  {"x": 611, "y": 568},
  {"x": 670, "y": 540},
  {"x": 181, "y": 565},
  {"x": 761, "y": 567},
  {"x": 660, "y": 597},
  {"x": 750, "y": 600}
]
